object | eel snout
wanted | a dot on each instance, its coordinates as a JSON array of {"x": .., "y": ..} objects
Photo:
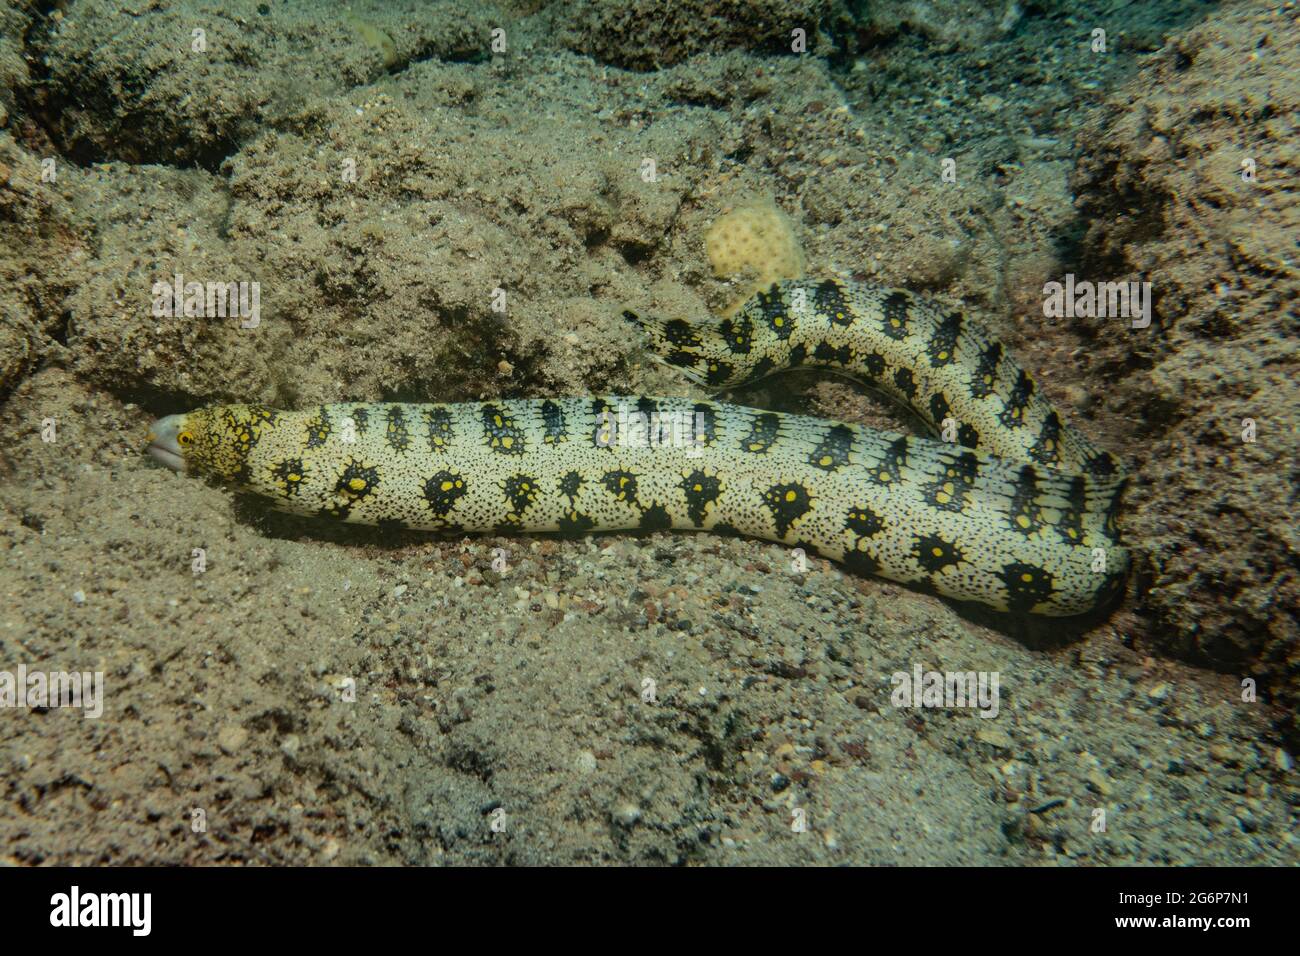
[{"x": 164, "y": 443}]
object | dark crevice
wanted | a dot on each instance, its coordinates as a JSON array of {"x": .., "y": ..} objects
[
  {"x": 59, "y": 331},
  {"x": 27, "y": 96},
  {"x": 157, "y": 400}
]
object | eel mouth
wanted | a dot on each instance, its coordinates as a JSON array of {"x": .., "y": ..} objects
[
  {"x": 163, "y": 445},
  {"x": 167, "y": 457}
]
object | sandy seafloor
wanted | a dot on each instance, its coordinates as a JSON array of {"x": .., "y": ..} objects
[{"x": 498, "y": 715}]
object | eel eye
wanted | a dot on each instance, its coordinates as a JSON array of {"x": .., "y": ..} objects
[{"x": 185, "y": 438}]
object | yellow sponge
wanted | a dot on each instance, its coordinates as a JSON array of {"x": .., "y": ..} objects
[{"x": 758, "y": 240}]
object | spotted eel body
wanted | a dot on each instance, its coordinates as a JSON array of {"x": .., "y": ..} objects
[{"x": 1015, "y": 510}]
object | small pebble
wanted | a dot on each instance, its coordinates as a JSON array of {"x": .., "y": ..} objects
[
  {"x": 627, "y": 814},
  {"x": 231, "y": 737},
  {"x": 1100, "y": 782},
  {"x": 1222, "y": 753},
  {"x": 994, "y": 738}
]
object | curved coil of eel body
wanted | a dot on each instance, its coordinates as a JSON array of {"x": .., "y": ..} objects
[{"x": 1015, "y": 511}]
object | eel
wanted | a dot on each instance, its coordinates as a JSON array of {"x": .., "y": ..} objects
[{"x": 1007, "y": 506}]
